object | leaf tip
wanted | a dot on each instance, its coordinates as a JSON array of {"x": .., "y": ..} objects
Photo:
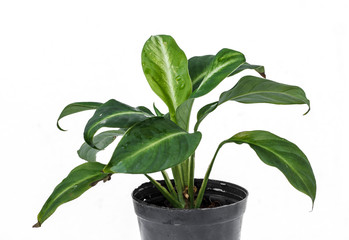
[
  {"x": 263, "y": 74},
  {"x": 307, "y": 111},
  {"x": 37, "y": 225},
  {"x": 59, "y": 127}
]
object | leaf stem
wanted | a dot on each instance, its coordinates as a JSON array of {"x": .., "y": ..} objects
[
  {"x": 207, "y": 175},
  {"x": 169, "y": 184},
  {"x": 165, "y": 193},
  {"x": 177, "y": 175},
  {"x": 191, "y": 179},
  {"x": 185, "y": 172}
]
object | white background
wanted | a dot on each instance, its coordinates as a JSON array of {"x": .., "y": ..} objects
[{"x": 53, "y": 53}]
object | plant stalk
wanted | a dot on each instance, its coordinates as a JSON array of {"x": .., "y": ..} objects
[
  {"x": 165, "y": 193},
  {"x": 207, "y": 175},
  {"x": 169, "y": 184},
  {"x": 191, "y": 179},
  {"x": 178, "y": 182}
]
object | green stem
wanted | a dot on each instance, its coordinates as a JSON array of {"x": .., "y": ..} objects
[
  {"x": 178, "y": 182},
  {"x": 177, "y": 171},
  {"x": 191, "y": 179},
  {"x": 165, "y": 193},
  {"x": 207, "y": 175},
  {"x": 169, "y": 184},
  {"x": 185, "y": 171}
]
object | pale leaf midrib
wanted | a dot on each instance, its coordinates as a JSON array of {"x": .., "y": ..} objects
[{"x": 159, "y": 141}]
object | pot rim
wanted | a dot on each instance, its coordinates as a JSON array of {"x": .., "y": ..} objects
[{"x": 154, "y": 206}]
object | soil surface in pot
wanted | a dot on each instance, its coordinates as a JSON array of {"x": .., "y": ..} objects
[{"x": 210, "y": 201}]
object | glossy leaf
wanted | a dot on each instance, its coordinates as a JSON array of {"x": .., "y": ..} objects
[
  {"x": 166, "y": 69},
  {"x": 258, "y": 68},
  {"x": 101, "y": 141},
  {"x": 113, "y": 114},
  {"x": 282, "y": 154},
  {"x": 151, "y": 146},
  {"x": 75, "y": 108},
  {"x": 79, "y": 180},
  {"x": 222, "y": 65},
  {"x": 198, "y": 68},
  {"x": 252, "y": 89}
]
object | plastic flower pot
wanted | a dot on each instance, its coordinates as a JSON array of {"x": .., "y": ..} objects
[{"x": 157, "y": 222}]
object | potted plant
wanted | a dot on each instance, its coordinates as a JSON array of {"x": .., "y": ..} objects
[{"x": 185, "y": 207}]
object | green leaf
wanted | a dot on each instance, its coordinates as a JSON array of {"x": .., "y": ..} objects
[
  {"x": 203, "y": 112},
  {"x": 75, "y": 108},
  {"x": 145, "y": 109},
  {"x": 101, "y": 141},
  {"x": 198, "y": 68},
  {"x": 252, "y": 89},
  {"x": 151, "y": 146},
  {"x": 79, "y": 180},
  {"x": 157, "y": 111},
  {"x": 245, "y": 66},
  {"x": 166, "y": 68},
  {"x": 113, "y": 114},
  {"x": 183, "y": 114},
  {"x": 221, "y": 66},
  {"x": 282, "y": 154}
]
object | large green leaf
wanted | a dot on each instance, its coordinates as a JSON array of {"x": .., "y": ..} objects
[
  {"x": 75, "y": 108},
  {"x": 221, "y": 66},
  {"x": 199, "y": 67},
  {"x": 276, "y": 152},
  {"x": 101, "y": 141},
  {"x": 282, "y": 154},
  {"x": 252, "y": 89},
  {"x": 166, "y": 68},
  {"x": 151, "y": 146},
  {"x": 113, "y": 114},
  {"x": 79, "y": 180}
]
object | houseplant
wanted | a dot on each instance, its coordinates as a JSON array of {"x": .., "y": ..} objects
[{"x": 154, "y": 142}]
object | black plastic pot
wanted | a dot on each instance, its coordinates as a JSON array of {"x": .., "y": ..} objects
[{"x": 218, "y": 223}]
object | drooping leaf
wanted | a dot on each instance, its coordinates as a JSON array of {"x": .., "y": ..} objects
[
  {"x": 151, "y": 146},
  {"x": 282, "y": 154},
  {"x": 183, "y": 114},
  {"x": 221, "y": 66},
  {"x": 101, "y": 141},
  {"x": 78, "y": 181},
  {"x": 75, "y": 108},
  {"x": 258, "y": 68},
  {"x": 113, "y": 114},
  {"x": 203, "y": 112},
  {"x": 166, "y": 68},
  {"x": 252, "y": 89}
]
